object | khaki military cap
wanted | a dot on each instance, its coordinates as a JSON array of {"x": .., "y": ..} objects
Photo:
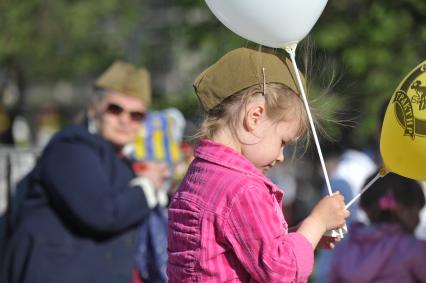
[
  {"x": 240, "y": 69},
  {"x": 124, "y": 78}
]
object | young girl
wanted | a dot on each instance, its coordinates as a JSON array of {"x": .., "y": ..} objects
[
  {"x": 386, "y": 250},
  {"x": 225, "y": 221}
]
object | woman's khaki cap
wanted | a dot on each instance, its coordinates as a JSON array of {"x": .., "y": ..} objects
[
  {"x": 240, "y": 69},
  {"x": 124, "y": 78}
]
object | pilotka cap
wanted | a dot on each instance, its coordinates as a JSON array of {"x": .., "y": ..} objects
[
  {"x": 240, "y": 69},
  {"x": 124, "y": 78}
]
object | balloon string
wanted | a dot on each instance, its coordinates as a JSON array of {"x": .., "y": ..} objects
[
  {"x": 379, "y": 175},
  {"x": 291, "y": 50}
]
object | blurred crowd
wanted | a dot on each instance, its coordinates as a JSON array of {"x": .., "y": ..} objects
[{"x": 101, "y": 210}]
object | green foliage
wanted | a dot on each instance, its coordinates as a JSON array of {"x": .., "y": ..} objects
[
  {"x": 377, "y": 42},
  {"x": 371, "y": 45},
  {"x": 57, "y": 38}
]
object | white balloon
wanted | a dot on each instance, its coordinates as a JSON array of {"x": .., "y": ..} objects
[{"x": 273, "y": 23}]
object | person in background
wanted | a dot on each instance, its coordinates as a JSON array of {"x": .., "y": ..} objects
[
  {"x": 385, "y": 250},
  {"x": 225, "y": 221},
  {"x": 354, "y": 165},
  {"x": 352, "y": 169},
  {"x": 159, "y": 140},
  {"x": 83, "y": 202}
]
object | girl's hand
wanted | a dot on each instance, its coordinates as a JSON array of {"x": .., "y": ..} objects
[
  {"x": 328, "y": 243},
  {"x": 330, "y": 212}
]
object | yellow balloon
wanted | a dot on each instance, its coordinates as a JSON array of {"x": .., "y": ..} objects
[{"x": 403, "y": 136}]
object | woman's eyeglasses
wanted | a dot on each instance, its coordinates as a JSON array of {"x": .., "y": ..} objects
[{"x": 117, "y": 110}]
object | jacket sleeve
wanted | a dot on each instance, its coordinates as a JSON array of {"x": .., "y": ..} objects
[
  {"x": 82, "y": 191},
  {"x": 261, "y": 243}
]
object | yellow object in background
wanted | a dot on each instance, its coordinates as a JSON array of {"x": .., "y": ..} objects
[
  {"x": 139, "y": 146},
  {"x": 160, "y": 137},
  {"x": 403, "y": 136}
]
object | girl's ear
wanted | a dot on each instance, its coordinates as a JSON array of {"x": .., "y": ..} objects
[{"x": 254, "y": 115}]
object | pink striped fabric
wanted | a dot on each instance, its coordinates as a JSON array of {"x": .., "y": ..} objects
[{"x": 226, "y": 225}]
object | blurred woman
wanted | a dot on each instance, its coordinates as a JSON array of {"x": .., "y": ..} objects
[{"x": 82, "y": 201}]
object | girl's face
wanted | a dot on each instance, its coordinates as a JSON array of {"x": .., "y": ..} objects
[
  {"x": 271, "y": 140},
  {"x": 120, "y": 118}
]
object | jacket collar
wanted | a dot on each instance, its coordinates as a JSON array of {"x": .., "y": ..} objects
[{"x": 227, "y": 157}]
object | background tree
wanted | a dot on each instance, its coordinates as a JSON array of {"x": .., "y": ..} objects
[{"x": 369, "y": 45}]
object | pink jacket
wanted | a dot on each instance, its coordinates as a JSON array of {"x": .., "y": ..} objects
[{"x": 226, "y": 225}]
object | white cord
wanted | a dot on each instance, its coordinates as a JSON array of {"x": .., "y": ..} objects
[
  {"x": 291, "y": 50},
  {"x": 381, "y": 173}
]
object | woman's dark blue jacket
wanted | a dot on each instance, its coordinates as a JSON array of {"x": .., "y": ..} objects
[{"x": 78, "y": 217}]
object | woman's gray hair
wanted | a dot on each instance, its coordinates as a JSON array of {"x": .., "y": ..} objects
[{"x": 94, "y": 101}]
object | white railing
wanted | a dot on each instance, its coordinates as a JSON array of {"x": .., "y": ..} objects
[{"x": 15, "y": 163}]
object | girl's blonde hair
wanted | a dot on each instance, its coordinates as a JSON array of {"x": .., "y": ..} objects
[{"x": 282, "y": 104}]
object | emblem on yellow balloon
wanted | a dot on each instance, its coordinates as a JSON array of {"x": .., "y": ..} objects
[{"x": 403, "y": 137}]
